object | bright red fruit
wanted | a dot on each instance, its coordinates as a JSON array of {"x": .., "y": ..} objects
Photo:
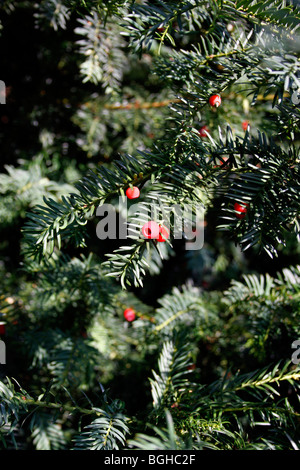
[
  {"x": 203, "y": 131},
  {"x": 245, "y": 125},
  {"x": 151, "y": 230},
  {"x": 241, "y": 209},
  {"x": 133, "y": 193},
  {"x": 163, "y": 234},
  {"x": 129, "y": 314},
  {"x": 215, "y": 100}
]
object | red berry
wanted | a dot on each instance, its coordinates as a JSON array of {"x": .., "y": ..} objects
[
  {"x": 245, "y": 125},
  {"x": 2, "y": 328},
  {"x": 163, "y": 234},
  {"x": 215, "y": 100},
  {"x": 241, "y": 209},
  {"x": 129, "y": 314},
  {"x": 203, "y": 131},
  {"x": 133, "y": 193},
  {"x": 151, "y": 230}
]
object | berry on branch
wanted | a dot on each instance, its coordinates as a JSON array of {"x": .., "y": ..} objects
[
  {"x": 215, "y": 100},
  {"x": 151, "y": 230},
  {"x": 203, "y": 131},
  {"x": 133, "y": 193},
  {"x": 245, "y": 125},
  {"x": 129, "y": 314},
  {"x": 163, "y": 234},
  {"x": 241, "y": 209}
]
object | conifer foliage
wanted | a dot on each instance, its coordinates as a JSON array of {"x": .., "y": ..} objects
[{"x": 144, "y": 342}]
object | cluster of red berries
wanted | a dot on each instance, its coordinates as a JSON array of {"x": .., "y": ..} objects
[
  {"x": 215, "y": 100},
  {"x": 151, "y": 230},
  {"x": 154, "y": 231}
]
